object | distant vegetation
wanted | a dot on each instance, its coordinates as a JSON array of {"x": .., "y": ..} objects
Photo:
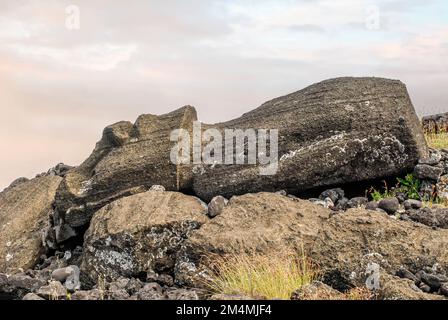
[{"x": 437, "y": 140}]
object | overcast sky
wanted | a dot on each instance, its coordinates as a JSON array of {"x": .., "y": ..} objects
[{"x": 60, "y": 86}]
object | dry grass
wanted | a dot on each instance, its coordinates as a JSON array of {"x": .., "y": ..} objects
[
  {"x": 437, "y": 140},
  {"x": 359, "y": 294},
  {"x": 273, "y": 276}
]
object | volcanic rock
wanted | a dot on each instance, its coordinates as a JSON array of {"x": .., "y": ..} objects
[
  {"x": 333, "y": 132},
  {"x": 139, "y": 234},
  {"x": 24, "y": 217}
]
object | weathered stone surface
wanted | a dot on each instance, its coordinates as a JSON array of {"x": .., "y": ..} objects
[
  {"x": 62, "y": 274},
  {"x": 151, "y": 291},
  {"x": 16, "y": 286},
  {"x": 53, "y": 291},
  {"x": 427, "y": 172},
  {"x": 433, "y": 217},
  {"x": 16, "y": 183},
  {"x": 390, "y": 205},
  {"x": 433, "y": 281},
  {"x": 337, "y": 131},
  {"x": 372, "y": 205},
  {"x": 394, "y": 288},
  {"x": 60, "y": 170},
  {"x": 412, "y": 204},
  {"x": 94, "y": 294},
  {"x": 24, "y": 216},
  {"x": 357, "y": 202},
  {"x": 181, "y": 294},
  {"x": 128, "y": 159},
  {"x": 334, "y": 194},
  {"x": 32, "y": 296},
  {"x": 261, "y": 222},
  {"x": 317, "y": 291},
  {"x": 348, "y": 242},
  {"x": 216, "y": 205},
  {"x": 444, "y": 289},
  {"x": 139, "y": 234}
]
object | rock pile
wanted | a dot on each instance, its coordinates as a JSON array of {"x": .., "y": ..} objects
[{"x": 129, "y": 224}]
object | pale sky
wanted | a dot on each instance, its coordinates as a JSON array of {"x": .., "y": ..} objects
[{"x": 59, "y": 87}]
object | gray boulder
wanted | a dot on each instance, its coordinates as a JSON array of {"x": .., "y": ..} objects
[
  {"x": 351, "y": 244},
  {"x": 262, "y": 222},
  {"x": 139, "y": 234},
  {"x": 357, "y": 202},
  {"x": 390, "y": 205},
  {"x": 216, "y": 205},
  {"x": 412, "y": 204},
  {"x": 433, "y": 217},
  {"x": 333, "y": 132},
  {"x": 427, "y": 172},
  {"x": 334, "y": 194}
]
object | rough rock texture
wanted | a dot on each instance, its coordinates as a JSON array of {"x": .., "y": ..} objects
[
  {"x": 437, "y": 217},
  {"x": 32, "y": 296},
  {"x": 427, "y": 172},
  {"x": 348, "y": 242},
  {"x": 139, "y": 234},
  {"x": 395, "y": 288},
  {"x": 127, "y": 160},
  {"x": 262, "y": 222},
  {"x": 16, "y": 286},
  {"x": 216, "y": 205},
  {"x": 24, "y": 216},
  {"x": 390, "y": 205},
  {"x": 436, "y": 123},
  {"x": 317, "y": 291},
  {"x": 53, "y": 291},
  {"x": 337, "y": 131}
]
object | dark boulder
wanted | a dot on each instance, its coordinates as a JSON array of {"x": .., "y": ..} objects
[
  {"x": 138, "y": 235},
  {"x": 333, "y": 132},
  {"x": 433, "y": 217},
  {"x": 427, "y": 172},
  {"x": 390, "y": 205}
]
